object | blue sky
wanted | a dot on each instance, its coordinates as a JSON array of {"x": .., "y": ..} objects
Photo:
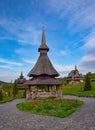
[{"x": 69, "y": 30}]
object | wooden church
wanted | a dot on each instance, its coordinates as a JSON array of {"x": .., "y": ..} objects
[
  {"x": 20, "y": 82},
  {"x": 75, "y": 76},
  {"x": 43, "y": 73}
]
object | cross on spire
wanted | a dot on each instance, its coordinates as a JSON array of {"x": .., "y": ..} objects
[{"x": 42, "y": 25}]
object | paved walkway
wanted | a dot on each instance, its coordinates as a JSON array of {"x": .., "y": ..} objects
[{"x": 13, "y": 119}]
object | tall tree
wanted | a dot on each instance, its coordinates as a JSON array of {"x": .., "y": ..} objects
[
  {"x": 7, "y": 88},
  {"x": 15, "y": 89},
  {"x": 87, "y": 86}
]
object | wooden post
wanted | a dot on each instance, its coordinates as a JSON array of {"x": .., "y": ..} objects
[
  {"x": 51, "y": 88},
  {"x": 29, "y": 87},
  {"x": 48, "y": 88},
  {"x": 37, "y": 88},
  {"x": 56, "y": 89}
]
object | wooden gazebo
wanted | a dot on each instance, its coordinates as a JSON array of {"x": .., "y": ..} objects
[{"x": 43, "y": 73}]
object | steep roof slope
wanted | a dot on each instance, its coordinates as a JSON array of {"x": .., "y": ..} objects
[{"x": 43, "y": 64}]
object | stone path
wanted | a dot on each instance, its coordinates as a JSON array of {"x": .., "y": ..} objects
[{"x": 13, "y": 119}]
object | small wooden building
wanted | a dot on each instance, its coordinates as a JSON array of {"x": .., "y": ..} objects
[
  {"x": 43, "y": 73},
  {"x": 74, "y": 76},
  {"x": 20, "y": 82}
]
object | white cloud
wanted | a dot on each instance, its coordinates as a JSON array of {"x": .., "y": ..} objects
[
  {"x": 21, "y": 51},
  {"x": 5, "y": 67},
  {"x": 78, "y": 13},
  {"x": 21, "y": 31},
  {"x": 8, "y": 76},
  {"x": 88, "y": 58},
  {"x": 5, "y": 61},
  {"x": 87, "y": 63},
  {"x": 64, "y": 52},
  {"x": 89, "y": 41},
  {"x": 63, "y": 70},
  {"x": 29, "y": 61}
]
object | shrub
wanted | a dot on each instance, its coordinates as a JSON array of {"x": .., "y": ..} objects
[
  {"x": 15, "y": 89},
  {"x": 1, "y": 95},
  {"x": 87, "y": 86},
  {"x": 7, "y": 88}
]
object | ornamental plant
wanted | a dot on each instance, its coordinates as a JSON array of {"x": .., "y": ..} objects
[
  {"x": 87, "y": 86},
  {"x": 51, "y": 107}
]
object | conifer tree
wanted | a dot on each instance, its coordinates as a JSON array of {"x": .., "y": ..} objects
[{"x": 87, "y": 86}]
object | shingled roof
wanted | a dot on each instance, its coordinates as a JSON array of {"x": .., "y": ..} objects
[
  {"x": 43, "y": 45},
  {"x": 45, "y": 81},
  {"x": 43, "y": 65}
]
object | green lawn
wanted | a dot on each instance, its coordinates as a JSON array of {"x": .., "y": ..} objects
[
  {"x": 7, "y": 98},
  {"x": 51, "y": 107},
  {"x": 77, "y": 89}
]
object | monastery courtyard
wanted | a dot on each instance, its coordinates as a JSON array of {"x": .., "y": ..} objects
[{"x": 13, "y": 119}]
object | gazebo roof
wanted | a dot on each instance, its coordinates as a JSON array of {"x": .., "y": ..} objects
[
  {"x": 43, "y": 65},
  {"x": 46, "y": 81}
]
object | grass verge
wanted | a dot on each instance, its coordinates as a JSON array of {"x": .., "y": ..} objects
[
  {"x": 8, "y": 99},
  {"x": 77, "y": 89}
]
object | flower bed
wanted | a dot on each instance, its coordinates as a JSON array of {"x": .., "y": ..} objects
[{"x": 51, "y": 107}]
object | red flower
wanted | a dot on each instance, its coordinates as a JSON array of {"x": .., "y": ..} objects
[
  {"x": 32, "y": 103},
  {"x": 51, "y": 100},
  {"x": 48, "y": 105},
  {"x": 56, "y": 105}
]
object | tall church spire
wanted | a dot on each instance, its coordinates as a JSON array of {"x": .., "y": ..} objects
[
  {"x": 43, "y": 45},
  {"x": 75, "y": 67},
  {"x": 21, "y": 75},
  {"x": 43, "y": 65}
]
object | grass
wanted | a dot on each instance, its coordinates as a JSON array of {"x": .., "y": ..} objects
[
  {"x": 71, "y": 89},
  {"x": 77, "y": 89},
  {"x": 7, "y": 98},
  {"x": 51, "y": 107}
]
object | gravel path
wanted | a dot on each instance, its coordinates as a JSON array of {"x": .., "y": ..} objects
[{"x": 13, "y": 119}]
